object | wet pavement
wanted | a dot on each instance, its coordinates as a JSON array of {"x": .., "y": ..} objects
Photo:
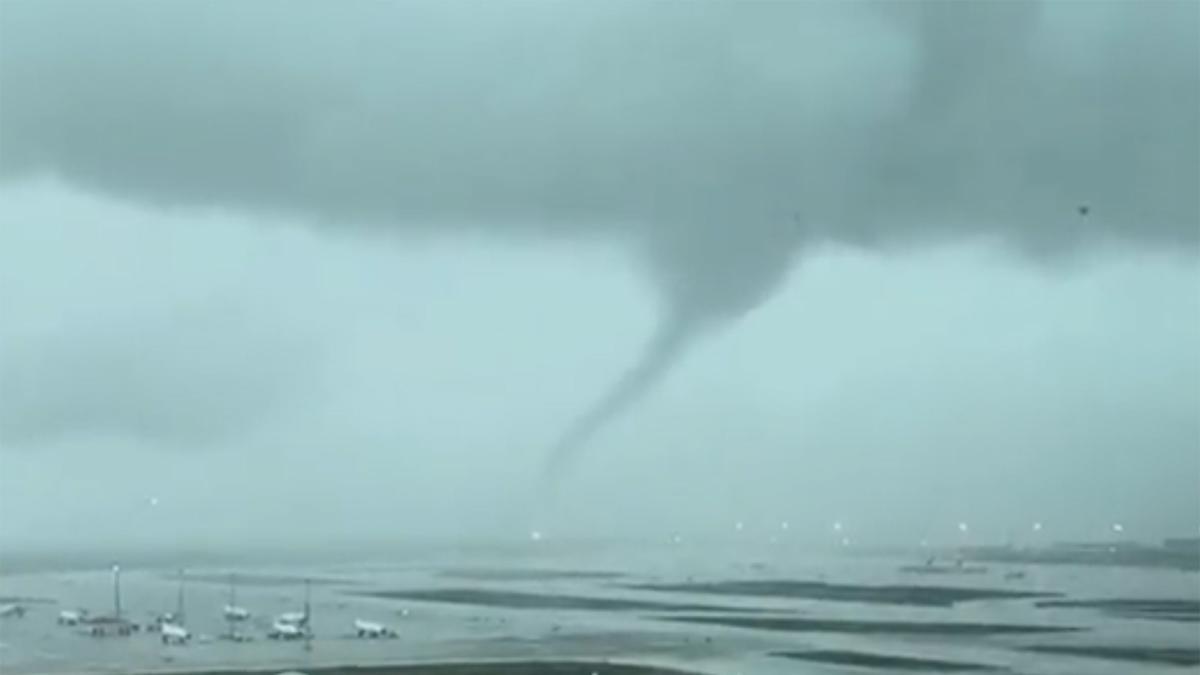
[{"x": 622, "y": 605}]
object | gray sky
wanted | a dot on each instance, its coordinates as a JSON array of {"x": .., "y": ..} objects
[{"x": 375, "y": 257}]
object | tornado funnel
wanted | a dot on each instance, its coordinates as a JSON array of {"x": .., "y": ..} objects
[{"x": 660, "y": 354}]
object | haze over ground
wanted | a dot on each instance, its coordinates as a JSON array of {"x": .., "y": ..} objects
[{"x": 367, "y": 261}]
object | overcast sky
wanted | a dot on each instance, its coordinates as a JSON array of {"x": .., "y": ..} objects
[{"x": 370, "y": 261}]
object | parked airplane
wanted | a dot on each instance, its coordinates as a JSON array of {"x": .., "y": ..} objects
[
  {"x": 234, "y": 613},
  {"x": 294, "y": 625},
  {"x": 282, "y": 630},
  {"x": 175, "y": 616},
  {"x": 12, "y": 610},
  {"x": 170, "y": 624},
  {"x": 72, "y": 617},
  {"x": 370, "y": 629},
  {"x": 293, "y": 618},
  {"x": 173, "y": 632}
]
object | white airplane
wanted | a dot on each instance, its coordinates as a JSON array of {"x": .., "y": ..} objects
[
  {"x": 232, "y": 612},
  {"x": 294, "y": 625},
  {"x": 370, "y": 629},
  {"x": 72, "y": 617},
  {"x": 298, "y": 619},
  {"x": 174, "y": 618},
  {"x": 13, "y": 610},
  {"x": 235, "y": 613},
  {"x": 283, "y": 630},
  {"x": 293, "y": 618},
  {"x": 173, "y": 632}
]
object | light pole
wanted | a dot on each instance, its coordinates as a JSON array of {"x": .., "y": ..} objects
[{"x": 116, "y": 591}]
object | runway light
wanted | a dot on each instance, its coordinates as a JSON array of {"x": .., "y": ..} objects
[
  {"x": 837, "y": 526},
  {"x": 845, "y": 541},
  {"x": 784, "y": 525},
  {"x": 535, "y": 535},
  {"x": 1037, "y": 527},
  {"x": 739, "y": 526},
  {"x": 962, "y": 527},
  {"x": 1117, "y": 527}
]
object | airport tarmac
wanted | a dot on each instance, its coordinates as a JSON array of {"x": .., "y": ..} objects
[{"x": 691, "y": 610}]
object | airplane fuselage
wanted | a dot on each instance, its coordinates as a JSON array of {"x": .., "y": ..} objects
[
  {"x": 282, "y": 630},
  {"x": 293, "y": 618},
  {"x": 13, "y": 610},
  {"x": 71, "y": 617},
  {"x": 174, "y": 633},
  {"x": 370, "y": 629}
]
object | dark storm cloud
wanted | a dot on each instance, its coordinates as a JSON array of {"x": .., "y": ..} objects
[
  {"x": 660, "y": 118},
  {"x": 694, "y": 130}
]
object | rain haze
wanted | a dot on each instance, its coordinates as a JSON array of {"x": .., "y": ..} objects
[{"x": 402, "y": 267}]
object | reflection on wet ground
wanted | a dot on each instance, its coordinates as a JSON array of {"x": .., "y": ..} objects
[
  {"x": 926, "y": 596},
  {"x": 932, "y": 628},
  {"x": 1163, "y": 610},
  {"x": 887, "y": 662},
  {"x": 1165, "y": 655},
  {"x": 520, "y": 600},
  {"x": 481, "y": 668},
  {"x": 614, "y": 644}
]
